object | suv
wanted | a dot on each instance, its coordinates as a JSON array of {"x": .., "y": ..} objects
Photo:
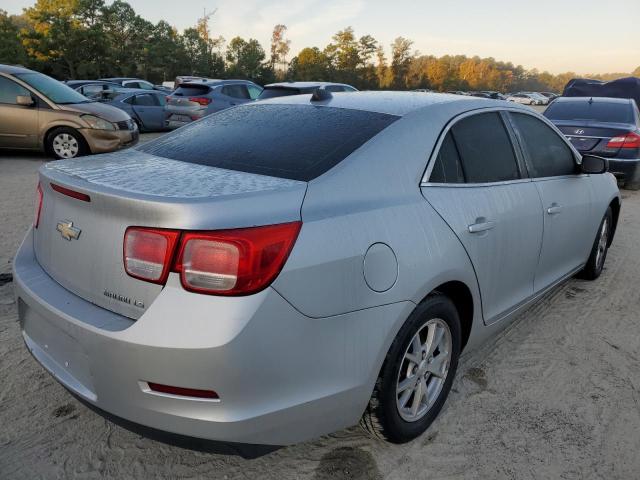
[
  {"x": 301, "y": 88},
  {"x": 40, "y": 113},
  {"x": 608, "y": 127},
  {"x": 194, "y": 100}
]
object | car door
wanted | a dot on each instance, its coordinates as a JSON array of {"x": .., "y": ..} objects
[
  {"x": 566, "y": 199},
  {"x": 18, "y": 123},
  {"x": 149, "y": 110},
  {"x": 476, "y": 183}
]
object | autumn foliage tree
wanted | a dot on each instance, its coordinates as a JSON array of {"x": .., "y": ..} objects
[{"x": 96, "y": 38}]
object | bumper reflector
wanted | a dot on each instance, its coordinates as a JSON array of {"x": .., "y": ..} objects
[{"x": 183, "y": 392}]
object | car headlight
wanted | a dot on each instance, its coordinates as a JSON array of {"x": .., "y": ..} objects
[{"x": 97, "y": 123}]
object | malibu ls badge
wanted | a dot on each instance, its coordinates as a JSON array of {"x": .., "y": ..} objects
[{"x": 68, "y": 231}]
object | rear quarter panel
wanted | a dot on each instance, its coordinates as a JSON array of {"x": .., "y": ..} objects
[{"x": 374, "y": 197}]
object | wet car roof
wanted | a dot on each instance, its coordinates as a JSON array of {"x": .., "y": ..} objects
[{"x": 392, "y": 103}]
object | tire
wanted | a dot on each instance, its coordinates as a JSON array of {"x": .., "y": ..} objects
[
  {"x": 65, "y": 142},
  {"x": 384, "y": 417},
  {"x": 598, "y": 256}
]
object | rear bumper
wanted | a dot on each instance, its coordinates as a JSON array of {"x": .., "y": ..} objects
[
  {"x": 281, "y": 377},
  {"x": 627, "y": 170},
  {"x": 176, "y": 117},
  {"x": 103, "y": 141}
]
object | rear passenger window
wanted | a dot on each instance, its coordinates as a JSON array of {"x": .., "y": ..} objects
[
  {"x": 254, "y": 91},
  {"x": 236, "y": 91},
  {"x": 485, "y": 149},
  {"x": 447, "y": 168},
  {"x": 547, "y": 154},
  {"x": 145, "y": 100}
]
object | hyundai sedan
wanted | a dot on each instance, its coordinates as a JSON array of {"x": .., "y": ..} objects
[
  {"x": 609, "y": 127},
  {"x": 288, "y": 268}
]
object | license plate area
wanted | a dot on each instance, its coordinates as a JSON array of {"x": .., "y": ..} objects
[{"x": 58, "y": 352}]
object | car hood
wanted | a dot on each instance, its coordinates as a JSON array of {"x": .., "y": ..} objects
[{"x": 106, "y": 112}]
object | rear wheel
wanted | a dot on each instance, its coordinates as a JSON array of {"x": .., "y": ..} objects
[
  {"x": 595, "y": 264},
  {"x": 417, "y": 373},
  {"x": 65, "y": 142}
]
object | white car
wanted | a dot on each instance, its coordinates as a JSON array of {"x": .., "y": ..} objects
[
  {"x": 544, "y": 99},
  {"x": 526, "y": 99}
]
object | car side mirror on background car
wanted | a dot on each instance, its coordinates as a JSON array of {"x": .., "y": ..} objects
[
  {"x": 594, "y": 164},
  {"x": 25, "y": 100}
]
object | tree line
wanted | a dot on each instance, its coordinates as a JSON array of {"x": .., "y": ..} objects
[{"x": 90, "y": 39}]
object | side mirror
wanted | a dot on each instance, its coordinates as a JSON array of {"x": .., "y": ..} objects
[
  {"x": 25, "y": 100},
  {"x": 594, "y": 164}
]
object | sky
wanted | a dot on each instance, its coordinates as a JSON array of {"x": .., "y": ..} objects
[{"x": 583, "y": 36}]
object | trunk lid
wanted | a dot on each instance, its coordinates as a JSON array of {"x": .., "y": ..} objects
[
  {"x": 592, "y": 136},
  {"x": 133, "y": 188}
]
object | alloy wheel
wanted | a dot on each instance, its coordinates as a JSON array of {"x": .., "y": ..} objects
[
  {"x": 602, "y": 243},
  {"x": 423, "y": 370}
]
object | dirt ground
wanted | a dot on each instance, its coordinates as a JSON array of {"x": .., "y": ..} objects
[{"x": 555, "y": 396}]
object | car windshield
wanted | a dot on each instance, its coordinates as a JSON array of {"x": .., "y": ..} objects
[
  {"x": 54, "y": 90},
  {"x": 609, "y": 112},
  {"x": 278, "y": 92},
  {"x": 298, "y": 142}
]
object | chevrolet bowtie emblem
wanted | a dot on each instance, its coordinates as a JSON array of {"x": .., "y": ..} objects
[{"x": 68, "y": 231}]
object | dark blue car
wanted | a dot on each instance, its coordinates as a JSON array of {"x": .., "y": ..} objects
[
  {"x": 608, "y": 127},
  {"x": 146, "y": 108}
]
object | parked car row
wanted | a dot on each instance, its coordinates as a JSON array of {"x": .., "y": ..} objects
[
  {"x": 188, "y": 98},
  {"x": 80, "y": 117},
  {"x": 524, "y": 98}
]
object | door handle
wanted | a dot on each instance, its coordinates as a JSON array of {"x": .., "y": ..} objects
[
  {"x": 481, "y": 226},
  {"x": 554, "y": 209}
]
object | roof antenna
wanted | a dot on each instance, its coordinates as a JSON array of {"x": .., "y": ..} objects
[{"x": 320, "y": 94}]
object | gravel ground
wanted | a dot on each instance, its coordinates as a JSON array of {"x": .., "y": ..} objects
[{"x": 557, "y": 395}]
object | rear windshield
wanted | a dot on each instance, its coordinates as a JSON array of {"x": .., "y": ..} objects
[
  {"x": 188, "y": 91},
  {"x": 600, "y": 111},
  {"x": 278, "y": 92},
  {"x": 299, "y": 142}
]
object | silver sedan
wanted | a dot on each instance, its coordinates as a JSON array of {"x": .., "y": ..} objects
[{"x": 287, "y": 268}]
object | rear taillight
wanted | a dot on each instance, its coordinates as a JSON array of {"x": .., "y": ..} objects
[
  {"x": 234, "y": 262},
  {"x": 148, "y": 253},
  {"x": 630, "y": 140},
  {"x": 36, "y": 217},
  {"x": 224, "y": 262},
  {"x": 200, "y": 100}
]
